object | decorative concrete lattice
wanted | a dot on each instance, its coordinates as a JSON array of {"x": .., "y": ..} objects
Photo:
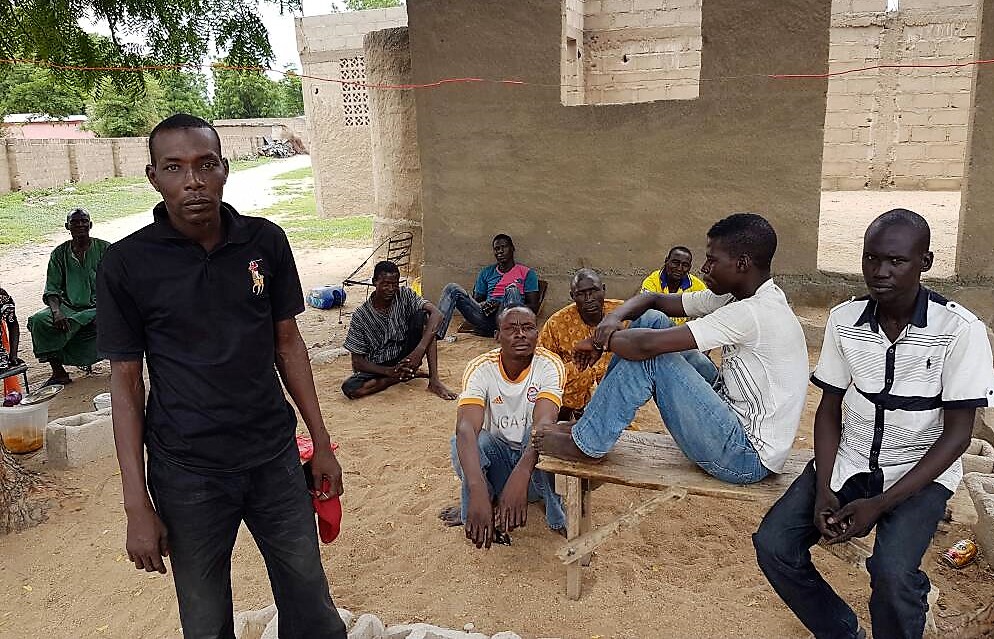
[{"x": 355, "y": 99}]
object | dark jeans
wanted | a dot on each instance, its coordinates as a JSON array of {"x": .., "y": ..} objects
[
  {"x": 202, "y": 513},
  {"x": 415, "y": 331},
  {"x": 899, "y": 589},
  {"x": 455, "y": 298}
]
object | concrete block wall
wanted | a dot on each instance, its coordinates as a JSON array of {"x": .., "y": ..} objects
[
  {"x": 90, "y": 160},
  {"x": 642, "y": 50},
  {"x": 4, "y": 168},
  {"x": 341, "y": 151},
  {"x": 37, "y": 164},
  {"x": 572, "y": 71},
  {"x": 899, "y": 128},
  {"x": 41, "y": 164},
  {"x": 130, "y": 156}
]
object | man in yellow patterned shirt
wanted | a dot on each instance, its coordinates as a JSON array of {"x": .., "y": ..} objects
[
  {"x": 674, "y": 277},
  {"x": 573, "y": 324}
]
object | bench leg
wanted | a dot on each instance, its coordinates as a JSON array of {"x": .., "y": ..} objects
[
  {"x": 574, "y": 528},
  {"x": 585, "y": 524}
]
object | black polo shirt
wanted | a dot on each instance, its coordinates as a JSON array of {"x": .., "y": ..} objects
[{"x": 205, "y": 322}]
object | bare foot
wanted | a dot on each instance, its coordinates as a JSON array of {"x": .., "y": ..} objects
[
  {"x": 550, "y": 439},
  {"x": 437, "y": 387},
  {"x": 451, "y": 516}
]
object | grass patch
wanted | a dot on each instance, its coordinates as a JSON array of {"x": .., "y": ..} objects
[
  {"x": 250, "y": 163},
  {"x": 299, "y": 218},
  {"x": 302, "y": 173},
  {"x": 26, "y": 216}
]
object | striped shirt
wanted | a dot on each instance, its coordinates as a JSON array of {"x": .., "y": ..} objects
[
  {"x": 764, "y": 363},
  {"x": 508, "y": 403},
  {"x": 382, "y": 337},
  {"x": 894, "y": 392}
]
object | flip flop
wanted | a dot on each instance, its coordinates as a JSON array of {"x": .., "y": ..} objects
[{"x": 52, "y": 381}]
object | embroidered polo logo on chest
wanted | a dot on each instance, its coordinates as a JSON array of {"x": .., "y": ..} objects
[{"x": 258, "y": 279}]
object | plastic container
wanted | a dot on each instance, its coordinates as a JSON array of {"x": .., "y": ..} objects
[
  {"x": 101, "y": 401},
  {"x": 23, "y": 427},
  {"x": 325, "y": 297}
]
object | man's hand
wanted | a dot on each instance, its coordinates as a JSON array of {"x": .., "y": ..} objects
[
  {"x": 403, "y": 371},
  {"x": 586, "y": 354},
  {"x": 826, "y": 505},
  {"x": 325, "y": 467},
  {"x": 59, "y": 320},
  {"x": 856, "y": 518},
  {"x": 479, "y": 522},
  {"x": 147, "y": 541},
  {"x": 603, "y": 331},
  {"x": 490, "y": 306},
  {"x": 512, "y": 506}
]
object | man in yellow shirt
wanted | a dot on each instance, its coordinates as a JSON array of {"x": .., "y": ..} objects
[
  {"x": 573, "y": 324},
  {"x": 674, "y": 277}
]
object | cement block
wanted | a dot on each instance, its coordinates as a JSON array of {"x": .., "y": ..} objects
[
  {"x": 368, "y": 627},
  {"x": 983, "y": 427},
  {"x": 347, "y": 617},
  {"x": 981, "y": 487},
  {"x": 507, "y": 634},
  {"x": 979, "y": 457},
  {"x": 427, "y": 631},
  {"x": 250, "y": 624},
  {"x": 78, "y": 439}
]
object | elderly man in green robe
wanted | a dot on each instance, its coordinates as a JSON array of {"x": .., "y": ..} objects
[{"x": 65, "y": 332}]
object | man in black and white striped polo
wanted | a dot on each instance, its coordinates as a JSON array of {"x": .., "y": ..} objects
[{"x": 902, "y": 372}]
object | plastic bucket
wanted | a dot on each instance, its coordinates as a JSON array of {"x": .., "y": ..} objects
[{"x": 23, "y": 427}]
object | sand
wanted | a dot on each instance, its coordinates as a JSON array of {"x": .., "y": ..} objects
[{"x": 687, "y": 570}]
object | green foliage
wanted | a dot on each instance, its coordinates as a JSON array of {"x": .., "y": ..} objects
[
  {"x": 118, "y": 113},
  {"x": 173, "y": 31},
  {"x": 26, "y": 88},
  {"x": 251, "y": 94},
  {"x": 299, "y": 217},
  {"x": 291, "y": 95},
  {"x": 183, "y": 92}
]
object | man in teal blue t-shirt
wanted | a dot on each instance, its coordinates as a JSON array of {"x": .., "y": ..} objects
[{"x": 498, "y": 286}]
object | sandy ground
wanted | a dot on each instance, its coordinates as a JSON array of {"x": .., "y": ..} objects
[
  {"x": 846, "y": 214},
  {"x": 687, "y": 570}
]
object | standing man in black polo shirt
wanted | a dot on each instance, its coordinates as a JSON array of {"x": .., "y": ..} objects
[{"x": 209, "y": 298}]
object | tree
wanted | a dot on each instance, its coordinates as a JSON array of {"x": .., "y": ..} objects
[
  {"x": 173, "y": 32},
  {"x": 120, "y": 113},
  {"x": 291, "y": 94},
  {"x": 25, "y": 88},
  {"x": 245, "y": 94},
  {"x": 183, "y": 92}
]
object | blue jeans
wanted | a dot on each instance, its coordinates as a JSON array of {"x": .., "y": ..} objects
[
  {"x": 202, "y": 513},
  {"x": 899, "y": 589},
  {"x": 701, "y": 422},
  {"x": 498, "y": 459},
  {"x": 455, "y": 297}
]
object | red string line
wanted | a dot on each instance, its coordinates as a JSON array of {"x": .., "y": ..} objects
[{"x": 444, "y": 81}]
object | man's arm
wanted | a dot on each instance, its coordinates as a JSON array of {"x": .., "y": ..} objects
[
  {"x": 479, "y": 522},
  {"x": 294, "y": 367},
  {"x": 363, "y": 365},
  {"x": 856, "y": 518},
  {"x": 431, "y": 327},
  {"x": 532, "y": 301},
  {"x": 633, "y": 308},
  {"x": 512, "y": 505},
  {"x": 828, "y": 434},
  {"x": 147, "y": 541},
  {"x": 645, "y": 343}
]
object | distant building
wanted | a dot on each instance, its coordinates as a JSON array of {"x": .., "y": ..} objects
[{"x": 38, "y": 126}]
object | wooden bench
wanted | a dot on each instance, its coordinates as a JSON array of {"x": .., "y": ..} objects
[{"x": 653, "y": 461}]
